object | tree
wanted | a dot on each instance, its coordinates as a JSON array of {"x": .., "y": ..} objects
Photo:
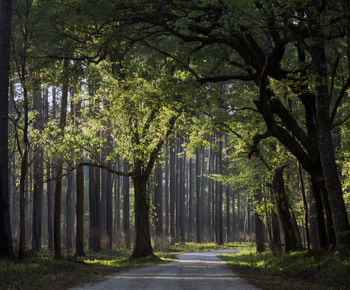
[{"x": 6, "y": 250}]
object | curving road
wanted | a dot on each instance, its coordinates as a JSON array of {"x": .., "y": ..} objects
[{"x": 202, "y": 270}]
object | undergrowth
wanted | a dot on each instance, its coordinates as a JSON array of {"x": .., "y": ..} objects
[{"x": 296, "y": 270}]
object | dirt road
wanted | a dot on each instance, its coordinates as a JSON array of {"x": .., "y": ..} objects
[{"x": 201, "y": 270}]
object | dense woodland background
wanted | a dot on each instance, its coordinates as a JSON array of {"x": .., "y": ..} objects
[{"x": 142, "y": 123}]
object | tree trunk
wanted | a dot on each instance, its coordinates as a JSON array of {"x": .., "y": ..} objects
[
  {"x": 37, "y": 173},
  {"x": 219, "y": 225},
  {"x": 117, "y": 183},
  {"x": 6, "y": 250},
  {"x": 190, "y": 201},
  {"x": 126, "y": 207},
  {"x": 306, "y": 209},
  {"x": 143, "y": 240},
  {"x": 79, "y": 240},
  {"x": 198, "y": 196},
  {"x": 259, "y": 224},
  {"x": 166, "y": 191},
  {"x": 291, "y": 240},
  {"x": 228, "y": 220},
  {"x": 69, "y": 211},
  {"x": 23, "y": 176},
  {"x": 158, "y": 200},
  {"x": 172, "y": 190},
  {"x": 327, "y": 154},
  {"x": 58, "y": 185}
]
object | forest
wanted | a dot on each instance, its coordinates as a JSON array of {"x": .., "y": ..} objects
[{"x": 143, "y": 124}]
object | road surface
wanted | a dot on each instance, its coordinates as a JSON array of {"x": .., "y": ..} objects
[{"x": 202, "y": 270}]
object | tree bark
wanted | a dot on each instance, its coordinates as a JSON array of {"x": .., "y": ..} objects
[
  {"x": 6, "y": 250},
  {"x": 143, "y": 246},
  {"x": 325, "y": 144},
  {"x": 291, "y": 239}
]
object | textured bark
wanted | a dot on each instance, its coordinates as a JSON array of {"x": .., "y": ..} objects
[
  {"x": 275, "y": 242},
  {"x": 143, "y": 246},
  {"x": 288, "y": 225},
  {"x": 38, "y": 164},
  {"x": 59, "y": 168},
  {"x": 6, "y": 249},
  {"x": 324, "y": 137}
]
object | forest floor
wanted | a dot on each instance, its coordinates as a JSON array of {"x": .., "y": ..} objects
[
  {"x": 43, "y": 272},
  {"x": 297, "y": 270}
]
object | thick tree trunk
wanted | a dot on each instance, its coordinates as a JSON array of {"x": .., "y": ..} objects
[
  {"x": 327, "y": 154},
  {"x": 143, "y": 240},
  {"x": 6, "y": 249},
  {"x": 288, "y": 225},
  {"x": 275, "y": 242},
  {"x": 38, "y": 164}
]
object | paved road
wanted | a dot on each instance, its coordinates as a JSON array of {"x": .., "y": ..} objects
[{"x": 201, "y": 270}]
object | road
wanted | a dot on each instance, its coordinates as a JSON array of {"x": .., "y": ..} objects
[{"x": 202, "y": 270}]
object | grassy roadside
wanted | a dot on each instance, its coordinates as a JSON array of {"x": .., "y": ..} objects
[
  {"x": 43, "y": 272},
  {"x": 297, "y": 270}
]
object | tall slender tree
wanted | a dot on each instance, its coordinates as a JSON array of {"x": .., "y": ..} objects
[{"x": 6, "y": 249}]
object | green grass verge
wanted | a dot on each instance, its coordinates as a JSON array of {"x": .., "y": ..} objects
[
  {"x": 297, "y": 270},
  {"x": 43, "y": 272},
  {"x": 170, "y": 251}
]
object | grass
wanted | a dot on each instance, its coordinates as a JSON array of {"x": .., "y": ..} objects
[
  {"x": 297, "y": 270},
  {"x": 43, "y": 272}
]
